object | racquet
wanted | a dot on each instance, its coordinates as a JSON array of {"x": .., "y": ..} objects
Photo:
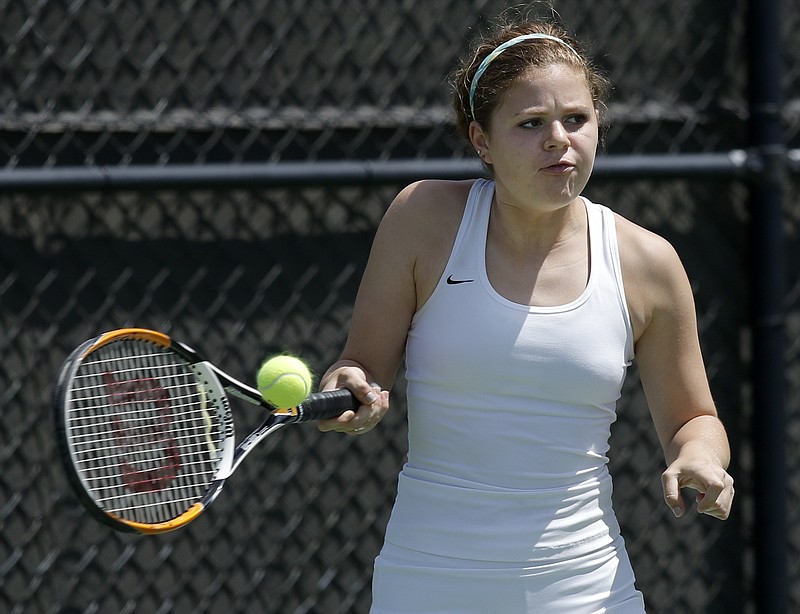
[{"x": 145, "y": 430}]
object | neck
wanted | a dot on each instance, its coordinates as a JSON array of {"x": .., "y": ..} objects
[{"x": 526, "y": 229}]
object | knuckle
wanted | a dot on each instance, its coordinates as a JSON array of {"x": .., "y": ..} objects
[{"x": 716, "y": 485}]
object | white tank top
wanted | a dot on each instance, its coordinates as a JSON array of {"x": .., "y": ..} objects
[{"x": 510, "y": 408}]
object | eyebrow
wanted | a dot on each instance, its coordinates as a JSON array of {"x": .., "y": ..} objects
[{"x": 570, "y": 108}]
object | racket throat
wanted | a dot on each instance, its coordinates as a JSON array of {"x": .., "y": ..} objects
[{"x": 269, "y": 426}]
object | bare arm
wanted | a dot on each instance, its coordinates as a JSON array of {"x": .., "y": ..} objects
[
  {"x": 671, "y": 367},
  {"x": 401, "y": 271}
]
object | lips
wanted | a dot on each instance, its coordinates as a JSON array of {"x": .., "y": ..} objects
[{"x": 559, "y": 168}]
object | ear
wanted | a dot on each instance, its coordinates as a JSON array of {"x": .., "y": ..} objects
[{"x": 480, "y": 141}]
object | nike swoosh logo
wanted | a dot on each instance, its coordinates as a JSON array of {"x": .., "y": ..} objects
[{"x": 454, "y": 282}]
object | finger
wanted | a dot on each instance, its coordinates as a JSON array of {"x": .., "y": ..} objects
[
  {"x": 335, "y": 424},
  {"x": 374, "y": 404},
  {"x": 368, "y": 417},
  {"x": 717, "y": 501},
  {"x": 672, "y": 493},
  {"x": 708, "y": 497},
  {"x": 366, "y": 394}
]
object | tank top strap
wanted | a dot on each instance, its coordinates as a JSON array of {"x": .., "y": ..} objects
[
  {"x": 605, "y": 262},
  {"x": 465, "y": 257}
]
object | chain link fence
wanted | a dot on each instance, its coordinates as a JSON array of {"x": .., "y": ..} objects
[
  {"x": 245, "y": 272},
  {"x": 208, "y": 80}
]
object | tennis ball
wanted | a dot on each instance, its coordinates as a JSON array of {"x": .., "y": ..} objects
[{"x": 284, "y": 381}]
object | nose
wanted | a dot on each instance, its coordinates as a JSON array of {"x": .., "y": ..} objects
[{"x": 557, "y": 136}]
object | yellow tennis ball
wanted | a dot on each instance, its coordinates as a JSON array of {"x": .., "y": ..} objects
[{"x": 284, "y": 381}]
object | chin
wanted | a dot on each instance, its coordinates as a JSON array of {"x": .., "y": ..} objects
[
  {"x": 565, "y": 196},
  {"x": 574, "y": 188}
]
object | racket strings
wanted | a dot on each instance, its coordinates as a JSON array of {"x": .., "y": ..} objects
[{"x": 144, "y": 438}]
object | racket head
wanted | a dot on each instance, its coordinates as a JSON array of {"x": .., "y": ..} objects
[{"x": 145, "y": 433}]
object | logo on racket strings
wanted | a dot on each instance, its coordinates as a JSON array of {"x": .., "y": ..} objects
[{"x": 141, "y": 425}]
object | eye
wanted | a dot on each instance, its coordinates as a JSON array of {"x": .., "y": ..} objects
[
  {"x": 531, "y": 123},
  {"x": 577, "y": 119}
]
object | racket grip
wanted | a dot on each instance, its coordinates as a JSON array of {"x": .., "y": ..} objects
[{"x": 328, "y": 404}]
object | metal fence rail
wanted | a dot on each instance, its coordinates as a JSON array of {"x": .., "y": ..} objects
[
  {"x": 736, "y": 164},
  {"x": 218, "y": 169}
]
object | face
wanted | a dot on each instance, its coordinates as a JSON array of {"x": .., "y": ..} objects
[{"x": 542, "y": 139}]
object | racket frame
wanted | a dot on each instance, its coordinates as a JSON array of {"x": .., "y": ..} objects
[{"x": 216, "y": 384}]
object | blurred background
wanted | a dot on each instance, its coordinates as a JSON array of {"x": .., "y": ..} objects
[{"x": 216, "y": 169}]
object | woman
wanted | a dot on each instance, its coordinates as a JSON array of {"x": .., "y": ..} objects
[{"x": 519, "y": 305}]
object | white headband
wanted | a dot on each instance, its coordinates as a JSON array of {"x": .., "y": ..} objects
[{"x": 500, "y": 49}]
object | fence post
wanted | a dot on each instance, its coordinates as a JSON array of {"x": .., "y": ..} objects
[{"x": 769, "y": 413}]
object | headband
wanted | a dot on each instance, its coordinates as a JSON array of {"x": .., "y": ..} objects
[{"x": 500, "y": 49}]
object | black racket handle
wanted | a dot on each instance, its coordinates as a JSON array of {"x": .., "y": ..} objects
[{"x": 328, "y": 404}]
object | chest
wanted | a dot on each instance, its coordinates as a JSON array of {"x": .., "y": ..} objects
[
  {"x": 545, "y": 275},
  {"x": 475, "y": 340},
  {"x": 555, "y": 280}
]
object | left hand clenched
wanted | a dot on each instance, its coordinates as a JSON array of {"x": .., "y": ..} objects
[{"x": 713, "y": 484}]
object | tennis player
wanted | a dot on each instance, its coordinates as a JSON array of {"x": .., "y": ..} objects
[{"x": 519, "y": 305}]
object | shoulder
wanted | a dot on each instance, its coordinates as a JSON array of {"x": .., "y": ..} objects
[
  {"x": 420, "y": 228},
  {"x": 643, "y": 249},
  {"x": 429, "y": 200},
  {"x": 653, "y": 274},
  {"x": 423, "y": 215}
]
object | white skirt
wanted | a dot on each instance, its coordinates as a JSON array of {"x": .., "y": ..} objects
[{"x": 407, "y": 582}]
